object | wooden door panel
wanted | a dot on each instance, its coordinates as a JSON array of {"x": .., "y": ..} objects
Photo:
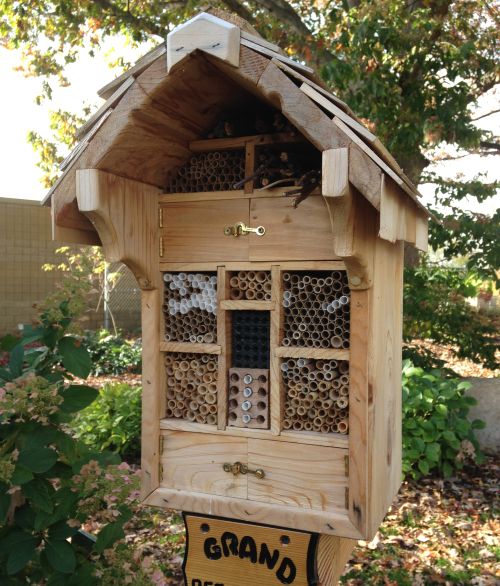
[
  {"x": 194, "y": 231},
  {"x": 193, "y": 462},
  {"x": 305, "y": 476},
  {"x": 302, "y": 233}
]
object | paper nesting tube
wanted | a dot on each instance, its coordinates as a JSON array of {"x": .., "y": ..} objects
[
  {"x": 216, "y": 171},
  {"x": 316, "y": 309},
  {"x": 189, "y": 396},
  {"x": 317, "y": 396},
  {"x": 190, "y": 307},
  {"x": 250, "y": 285}
]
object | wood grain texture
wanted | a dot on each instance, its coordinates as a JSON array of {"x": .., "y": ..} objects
[
  {"x": 317, "y": 353},
  {"x": 308, "y": 477},
  {"x": 354, "y": 224},
  {"x": 384, "y": 378},
  {"x": 276, "y": 380},
  {"x": 188, "y": 347},
  {"x": 194, "y": 231},
  {"x": 224, "y": 341},
  {"x": 332, "y": 555},
  {"x": 124, "y": 215},
  {"x": 241, "y": 570},
  {"x": 246, "y": 305},
  {"x": 333, "y": 440},
  {"x": 359, "y": 396},
  {"x": 335, "y": 172},
  {"x": 153, "y": 385},
  {"x": 328, "y": 522},
  {"x": 300, "y": 110},
  {"x": 192, "y": 466},
  {"x": 239, "y": 142},
  {"x": 333, "y": 265},
  {"x": 223, "y": 195},
  {"x": 302, "y": 233}
]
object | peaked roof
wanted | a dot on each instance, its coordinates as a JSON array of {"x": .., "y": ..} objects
[{"x": 155, "y": 109}]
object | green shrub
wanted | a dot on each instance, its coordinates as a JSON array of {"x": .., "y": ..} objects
[
  {"x": 112, "y": 421},
  {"x": 437, "y": 436},
  {"x": 113, "y": 354}
]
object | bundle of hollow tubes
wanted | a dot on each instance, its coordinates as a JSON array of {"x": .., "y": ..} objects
[
  {"x": 317, "y": 395},
  {"x": 316, "y": 310},
  {"x": 191, "y": 387}
]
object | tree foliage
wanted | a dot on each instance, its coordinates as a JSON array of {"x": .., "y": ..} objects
[{"x": 412, "y": 70}]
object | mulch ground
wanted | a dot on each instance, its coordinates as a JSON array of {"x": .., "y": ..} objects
[{"x": 438, "y": 532}]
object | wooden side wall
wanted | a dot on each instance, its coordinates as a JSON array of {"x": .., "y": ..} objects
[{"x": 384, "y": 380}]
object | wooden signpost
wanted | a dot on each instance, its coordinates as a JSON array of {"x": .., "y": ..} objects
[{"x": 271, "y": 323}]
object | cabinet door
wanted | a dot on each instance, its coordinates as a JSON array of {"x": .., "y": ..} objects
[
  {"x": 194, "y": 231},
  {"x": 304, "y": 476},
  {"x": 193, "y": 462},
  {"x": 302, "y": 233}
]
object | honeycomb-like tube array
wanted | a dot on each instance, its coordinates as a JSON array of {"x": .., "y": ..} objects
[
  {"x": 190, "y": 307},
  {"x": 250, "y": 285},
  {"x": 316, "y": 395},
  {"x": 192, "y": 387},
  {"x": 316, "y": 309},
  {"x": 215, "y": 171}
]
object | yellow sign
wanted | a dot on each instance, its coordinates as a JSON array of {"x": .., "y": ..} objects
[{"x": 222, "y": 552}]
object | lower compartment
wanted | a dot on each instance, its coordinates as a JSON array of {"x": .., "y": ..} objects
[{"x": 290, "y": 474}]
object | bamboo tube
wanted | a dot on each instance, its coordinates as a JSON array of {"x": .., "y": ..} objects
[{"x": 342, "y": 426}]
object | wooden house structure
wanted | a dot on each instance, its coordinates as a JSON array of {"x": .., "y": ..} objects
[{"x": 271, "y": 314}]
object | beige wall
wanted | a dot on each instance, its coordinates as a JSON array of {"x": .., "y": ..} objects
[{"x": 25, "y": 245}]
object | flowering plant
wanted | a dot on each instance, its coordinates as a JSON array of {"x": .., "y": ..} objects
[{"x": 51, "y": 484}]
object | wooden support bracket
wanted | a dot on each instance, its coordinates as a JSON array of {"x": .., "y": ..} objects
[
  {"x": 124, "y": 215},
  {"x": 353, "y": 219}
]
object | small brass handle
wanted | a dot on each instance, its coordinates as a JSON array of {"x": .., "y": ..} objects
[
  {"x": 240, "y": 229},
  {"x": 239, "y": 468}
]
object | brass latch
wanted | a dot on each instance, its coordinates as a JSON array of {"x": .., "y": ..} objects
[
  {"x": 239, "y": 468},
  {"x": 240, "y": 229}
]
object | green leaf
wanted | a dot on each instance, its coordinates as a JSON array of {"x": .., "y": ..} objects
[
  {"x": 40, "y": 493},
  {"x": 449, "y": 436},
  {"x": 21, "y": 475},
  {"x": 16, "y": 361},
  {"x": 5, "y": 498},
  {"x": 75, "y": 357},
  {"x": 108, "y": 535},
  {"x": 447, "y": 469},
  {"x": 77, "y": 397},
  {"x": 61, "y": 555},
  {"x": 20, "y": 547},
  {"x": 423, "y": 466},
  {"x": 478, "y": 424},
  {"x": 25, "y": 517},
  {"x": 38, "y": 460},
  {"x": 61, "y": 530}
]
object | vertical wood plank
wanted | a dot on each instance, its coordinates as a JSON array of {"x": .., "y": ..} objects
[
  {"x": 384, "y": 377},
  {"x": 275, "y": 380},
  {"x": 358, "y": 408},
  {"x": 224, "y": 340},
  {"x": 153, "y": 388},
  {"x": 249, "y": 166},
  {"x": 333, "y": 554},
  {"x": 335, "y": 172}
]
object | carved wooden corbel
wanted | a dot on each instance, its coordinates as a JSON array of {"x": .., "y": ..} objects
[{"x": 123, "y": 213}]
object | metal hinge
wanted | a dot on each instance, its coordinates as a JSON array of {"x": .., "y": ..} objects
[
  {"x": 161, "y": 473},
  {"x": 160, "y": 217},
  {"x": 346, "y": 465},
  {"x": 162, "y": 442},
  {"x": 161, "y": 251},
  {"x": 346, "y": 498}
]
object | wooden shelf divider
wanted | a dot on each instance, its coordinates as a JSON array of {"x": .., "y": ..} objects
[
  {"x": 239, "y": 142},
  {"x": 188, "y": 347},
  {"x": 246, "y": 305},
  {"x": 317, "y": 353}
]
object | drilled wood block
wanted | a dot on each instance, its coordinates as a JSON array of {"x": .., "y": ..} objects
[{"x": 248, "y": 398}]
